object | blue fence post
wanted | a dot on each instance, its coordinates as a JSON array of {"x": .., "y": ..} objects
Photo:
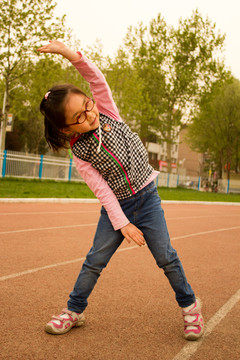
[
  {"x": 177, "y": 180},
  {"x": 70, "y": 170},
  {"x": 199, "y": 183},
  {"x": 4, "y": 163},
  {"x": 228, "y": 185},
  {"x": 40, "y": 167},
  {"x": 168, "y": 180}
]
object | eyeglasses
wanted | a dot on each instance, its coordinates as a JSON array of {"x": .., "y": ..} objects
[{"x": 83, "y": 116}]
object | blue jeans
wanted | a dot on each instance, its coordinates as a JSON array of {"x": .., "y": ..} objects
[{"x": 143, "y": 210}]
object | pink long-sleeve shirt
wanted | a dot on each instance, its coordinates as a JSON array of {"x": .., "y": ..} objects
[{"x": 106, "y": 105}]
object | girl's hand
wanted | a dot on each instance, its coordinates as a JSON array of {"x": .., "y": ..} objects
[
  {"x": 131, "y": 232},
  {"x": 57, "y": 47},
  {"x": 54, "y": 47}
]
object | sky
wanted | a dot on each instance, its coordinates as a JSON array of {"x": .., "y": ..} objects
[{"x": 108, "y": 21}]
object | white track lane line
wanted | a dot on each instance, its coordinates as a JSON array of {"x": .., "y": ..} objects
[
  {"x": 190, "y": 349},
  {"x": 125, "y": 249},
  {"x": 82, "y": 225},
  {"x": 204, "y": 232},
  {"x": 97, "y": 211},
  {"x": 201, "y": 217},
  {"x": 2, "y": 278},
  {"x": 49, "y": 212},
  {"x": 47, "y": 228}
]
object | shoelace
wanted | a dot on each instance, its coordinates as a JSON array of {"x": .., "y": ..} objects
[{"x": 60, "y": 318}]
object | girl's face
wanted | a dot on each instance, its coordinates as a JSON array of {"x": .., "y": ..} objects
[{"x": 75, "y": 110}]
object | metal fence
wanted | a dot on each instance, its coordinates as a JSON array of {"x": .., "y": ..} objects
[
  {"x": 17, "y": 164},
  {"x": 175, "y": 180}
]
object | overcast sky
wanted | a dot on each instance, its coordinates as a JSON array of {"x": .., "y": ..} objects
[{"x": 108, "y": 20}]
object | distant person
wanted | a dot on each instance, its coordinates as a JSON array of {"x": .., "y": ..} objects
[{"x": 114, "y": 163}]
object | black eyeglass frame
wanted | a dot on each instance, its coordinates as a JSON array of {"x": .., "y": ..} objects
[{"x": 84, "y": 112}]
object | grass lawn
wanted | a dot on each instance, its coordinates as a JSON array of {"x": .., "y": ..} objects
[
  {"x": 194, "y": 195},
  {"x": 25, "y": 188}
]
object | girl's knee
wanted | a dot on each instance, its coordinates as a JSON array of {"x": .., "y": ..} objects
[{"x": 167, "y": 260}]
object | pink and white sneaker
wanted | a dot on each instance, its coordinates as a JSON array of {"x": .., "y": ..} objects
[
  {"x": 193, "y": 321},
  {"x": 64, "y": 322}
]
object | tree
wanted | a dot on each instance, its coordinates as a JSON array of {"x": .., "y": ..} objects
[
  {"x": 23, "y": 25},
  {"x": 216, "y": 127},
  {"x": 25, "y": 100},
  {"x": 128, "y": 91},
  {"x": 39, "y": 76},
  {"x": 169, "y": 69}
]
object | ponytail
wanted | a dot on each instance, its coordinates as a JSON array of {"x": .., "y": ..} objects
[{"x": 55, "y": 138}]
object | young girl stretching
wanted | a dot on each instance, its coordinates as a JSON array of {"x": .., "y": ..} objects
[{"x": 114, "y": 163}]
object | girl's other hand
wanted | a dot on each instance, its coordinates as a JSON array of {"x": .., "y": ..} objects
[{"x": 131, "y": 232}]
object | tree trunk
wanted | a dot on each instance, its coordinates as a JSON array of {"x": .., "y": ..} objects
[
  {"x": 4, "y": 117},
  {"x": 144, "y": 133},
  {"x": 237, "y": 159},
  {"x": 169, "y": 157},
  {"x": 221, "y": 165},
  {"x": 228, "y": 166}
]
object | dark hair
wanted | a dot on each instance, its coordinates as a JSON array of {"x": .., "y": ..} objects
[{"x": 53, "y": 109}]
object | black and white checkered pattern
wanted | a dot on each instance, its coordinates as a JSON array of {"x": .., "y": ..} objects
[{"x": 126, "y": 146}]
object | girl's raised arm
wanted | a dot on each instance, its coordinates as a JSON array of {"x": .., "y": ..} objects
[{"x": 98, "y": 85}]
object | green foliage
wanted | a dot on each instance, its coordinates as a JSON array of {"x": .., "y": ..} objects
[
  {"x": 128, "y": 91},
  {"x": 216, "y": 127},
  {"x": 27, "y": 75},
  {"x": 24, "y": 24},
  {"x": 158, "y": 76},
  {"x": 161, "y": 73},
  {"x": 25, "y": 100}
]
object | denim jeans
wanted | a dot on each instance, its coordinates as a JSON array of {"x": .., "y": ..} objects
[{"x": 143, "y": 210}]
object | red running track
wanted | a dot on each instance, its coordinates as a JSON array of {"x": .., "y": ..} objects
[{"x": 132, "y": 313}]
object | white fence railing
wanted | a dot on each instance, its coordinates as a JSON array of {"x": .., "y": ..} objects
[
  {"x": 33, "y": 166},
  {"x": 16, "y": 164},
  {"x": 175, "y": 180}
]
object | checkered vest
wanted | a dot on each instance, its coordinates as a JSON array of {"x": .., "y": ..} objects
[{"x": 122, "y": 160}]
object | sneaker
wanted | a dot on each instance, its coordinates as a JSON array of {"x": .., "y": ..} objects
[
  {"x": 193, "y": 321},
  {"x": 64, "y": 322}
]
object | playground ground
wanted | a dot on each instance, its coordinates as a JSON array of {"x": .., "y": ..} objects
[{"x": 132, "y": 313}]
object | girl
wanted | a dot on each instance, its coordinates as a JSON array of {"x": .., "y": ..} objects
[{"x": 114, "y": 163}]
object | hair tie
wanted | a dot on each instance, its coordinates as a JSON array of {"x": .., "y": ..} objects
[{"x": 46, "y": 95}]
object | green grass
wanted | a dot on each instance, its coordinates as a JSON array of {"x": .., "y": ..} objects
[
  {"x": 194, "y": 195},
  {"x": 25, "y": 188}
]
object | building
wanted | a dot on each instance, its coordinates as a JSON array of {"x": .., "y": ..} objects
[
  {"x": 184, "y": 160},
  {"x": 158, "y": 156},
  {"x": 190, "y": 163}
]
